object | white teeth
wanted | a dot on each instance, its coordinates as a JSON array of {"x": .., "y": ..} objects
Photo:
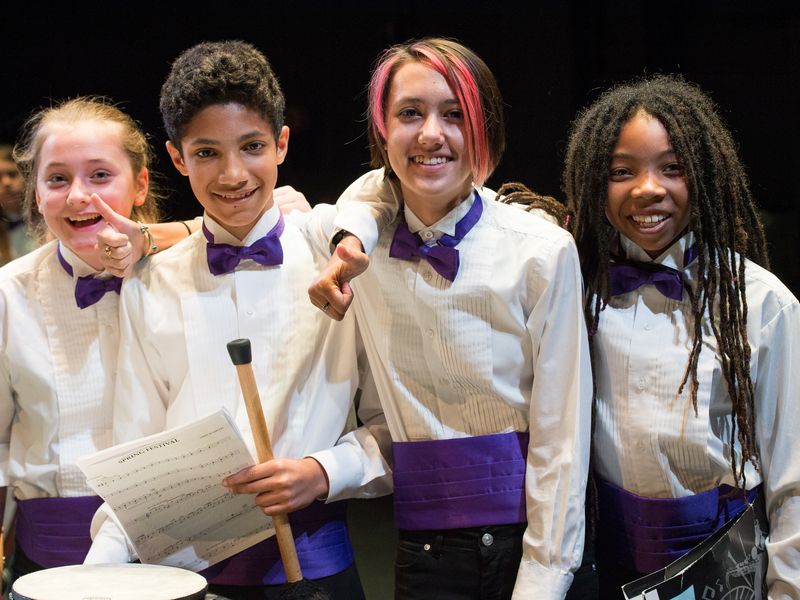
[
  {"x": 86, "y": 217},
  {"x": 648, "y": 219},
  {"x": 433, "y": 160},
  {"x": 235, "y": 196}
]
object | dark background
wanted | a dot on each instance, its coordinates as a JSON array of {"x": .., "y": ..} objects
[{"x": 550, "y": 58}]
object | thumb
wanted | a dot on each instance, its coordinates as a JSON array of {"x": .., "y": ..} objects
[
  {"x": 114, "y": 219},
  {"x": 354, "y": 262}
]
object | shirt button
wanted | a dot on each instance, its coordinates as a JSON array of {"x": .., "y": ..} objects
[
  {"x": 487, "y": 539},
  {"x": 641, "y": 385},
  {"x": 427, "y": 276},
  {"x": 250, "y": 312},
  {"x": 427, "y": 547},
  {"x": 648, "y": 327},
  {"x": 430, "y": 333},
  {"x": 427, "y": 235},
  {"x": 640, "y": 445}
]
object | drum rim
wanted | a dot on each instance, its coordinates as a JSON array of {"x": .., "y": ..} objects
[{"x": 200, "y": 594}]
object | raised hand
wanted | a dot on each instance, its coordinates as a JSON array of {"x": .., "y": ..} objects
[
  {"x": 289, "y": 199},
  {"x": 120, "y": 243},
  {"x": 331, "y": 292}
]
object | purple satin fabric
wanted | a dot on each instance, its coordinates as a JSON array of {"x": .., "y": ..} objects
[
  {"x": 628, "y": 275},
  {"x": 442, "y": 256},
  {"x": 54, "y": 532},
  {"x": 90, "y": 290},
  {"x": 323, "y": 549},
  {"x": 647, "y": 534},
  {"x": 266, "y": 251},
  {"x": 464, "y": 482}
]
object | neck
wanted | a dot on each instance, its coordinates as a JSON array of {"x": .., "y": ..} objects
[
  {"x": 241, "y": 230},
  {"x": 430, "y": 210},
  {"x": 90, "y": 257}
]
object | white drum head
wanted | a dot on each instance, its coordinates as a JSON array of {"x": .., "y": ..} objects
[{"x": 110, "y": 582}]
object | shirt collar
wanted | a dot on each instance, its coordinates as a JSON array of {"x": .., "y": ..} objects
[
  {"x": 79, "y": 267},
  {"x": 671, "y": 257},
  {"x": 221, "y": 236},
  {"x": 445, "y": 225}
]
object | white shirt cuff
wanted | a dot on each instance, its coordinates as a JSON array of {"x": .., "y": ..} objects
[{"x": 537, "y": 581}]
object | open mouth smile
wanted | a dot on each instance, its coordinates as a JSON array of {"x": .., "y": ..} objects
[
  {"x": 234, "y": 197},
  {"x": 431, "y": 160},
  {"x": 648, "y": 221},
  {"x": 83, "y": 221}
]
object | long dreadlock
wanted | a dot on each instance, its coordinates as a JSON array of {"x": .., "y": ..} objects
[
  {"x": 723, "y": 218},
  {"x": 514, "y": 192}
]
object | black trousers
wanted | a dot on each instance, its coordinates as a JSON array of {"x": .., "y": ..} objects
[
  {"x": 476, "y": 563},
  {"x": 344, "y": 585},
  {"x": 612, "y": 577}
]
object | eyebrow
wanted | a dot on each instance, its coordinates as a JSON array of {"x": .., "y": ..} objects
[
  {"x": 63, "y": 164},
  {"x": 210, "y": 142},
  {"x": 633, "y": 156},
  {"x": 415, "y": 100}
]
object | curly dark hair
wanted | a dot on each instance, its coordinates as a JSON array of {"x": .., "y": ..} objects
[
  {"x": 218, "y": 73},
  {"x": 723, "y": 218}
]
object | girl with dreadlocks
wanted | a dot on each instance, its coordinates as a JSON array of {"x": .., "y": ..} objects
[{"x": 695, "y": 343}]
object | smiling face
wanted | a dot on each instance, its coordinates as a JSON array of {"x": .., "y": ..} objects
[
  {"x": 648, "y": 200},
  {"x": 231, "y": 157},
  {"x": 76, "y": 160},
  {"x": 425, "y": 141}
]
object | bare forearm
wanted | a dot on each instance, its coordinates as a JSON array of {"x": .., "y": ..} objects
[{"x": 166, "y": 235}]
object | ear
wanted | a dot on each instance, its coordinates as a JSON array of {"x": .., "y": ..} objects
[
  {"x": 38, "y": 201},
  {"x": 177, "y": 159},
  {"x": 283, "y": 144},
  {"x": 142, "y": 185}
]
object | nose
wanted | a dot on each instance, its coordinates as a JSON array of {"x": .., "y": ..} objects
[
  {"x": 78, "y": 195},
  {"x": 431, "y": 131},
  {"x": 233, "y": 171},
  {"x": 648, "y": 186}
]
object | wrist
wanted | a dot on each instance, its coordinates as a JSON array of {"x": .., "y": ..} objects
[
  {"x": 149, "y": 246},
  {"x": 347, "y": 239},
  {"x": 321, "y": 483}
]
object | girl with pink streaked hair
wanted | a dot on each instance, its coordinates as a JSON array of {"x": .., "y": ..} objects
[{"x": 471, "y": 319}]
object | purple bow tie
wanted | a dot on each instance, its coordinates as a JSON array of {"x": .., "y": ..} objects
[
  {"x": 267, "y": 251},
  {"x": 628, "y": 275},
  {"x": 443, "y": 256},
  {"x": 89, "y": 290}
]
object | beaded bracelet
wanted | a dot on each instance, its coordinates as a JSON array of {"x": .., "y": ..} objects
[{"x": 151, "y": 246}]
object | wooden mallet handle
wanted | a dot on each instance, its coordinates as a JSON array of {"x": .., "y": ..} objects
[{"x": 242, "y": 357}]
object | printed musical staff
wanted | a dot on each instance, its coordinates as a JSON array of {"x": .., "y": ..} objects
[{"x": 167, "y": 492}]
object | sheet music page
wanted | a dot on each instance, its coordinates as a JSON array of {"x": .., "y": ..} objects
[{"x": 166, "y": 490}]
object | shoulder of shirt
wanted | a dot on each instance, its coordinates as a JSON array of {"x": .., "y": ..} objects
[
  {"x": 765, "y": 290},
  {"x": 168, "y": 265},
  {"x": 513, "y": 219},
  {"x": 27, "y": 264},
  {"x": 179, "y": 253}
]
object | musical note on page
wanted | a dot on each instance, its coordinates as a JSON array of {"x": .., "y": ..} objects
[{"x": 166, "y": 491}]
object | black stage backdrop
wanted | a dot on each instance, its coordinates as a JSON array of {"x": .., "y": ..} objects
[{"x": 550, "y": 58}]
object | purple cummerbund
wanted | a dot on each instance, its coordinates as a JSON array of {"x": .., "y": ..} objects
[
  {"x": 323, "y": 548},
  {"x": 54, "y": 532},
  {"x": 463, "y": 482},
  {"x": 647, "y": 534}
]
